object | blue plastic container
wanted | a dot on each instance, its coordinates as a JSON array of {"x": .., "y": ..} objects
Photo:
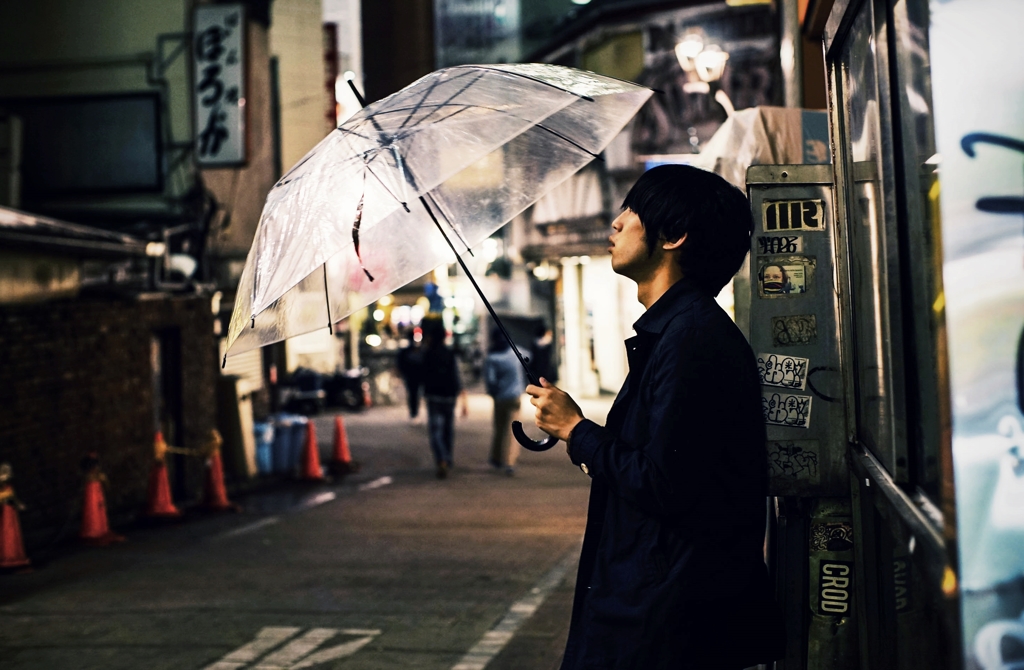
[
  {"x": 282, "y": 449},
  {"x": 264, "y": 447},
  {"x": 298, "y": 441}
]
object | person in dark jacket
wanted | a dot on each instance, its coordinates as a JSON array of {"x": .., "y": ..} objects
[
  {"x": 410, "y": 366},
  {"x": 442, "y": 387},
  {"x": 672, "y": 571}
]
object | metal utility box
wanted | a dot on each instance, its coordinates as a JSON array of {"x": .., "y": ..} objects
[{"x": 794, "y": 328}]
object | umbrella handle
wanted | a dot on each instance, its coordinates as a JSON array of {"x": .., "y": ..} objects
[{"x": 528, "y": 443}]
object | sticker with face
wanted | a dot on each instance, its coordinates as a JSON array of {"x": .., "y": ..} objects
[
  {"x": 784, "y": 409},
  {"x": 788, "y": 372},
  {"x": 784, "y": 276}
]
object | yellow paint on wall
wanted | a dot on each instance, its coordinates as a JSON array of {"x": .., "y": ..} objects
[{"x": 620, "y": 56}]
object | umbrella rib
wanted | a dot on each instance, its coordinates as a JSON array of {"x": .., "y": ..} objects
[
  {"x": 450, "y": 98},
  {"x": 385, "y": 187},
  {"x": 526, "y": 76},
  {"x": 448, "y": 219},
  {"x": 327, "y": 298},
  {"x": 570, "y": 141}
]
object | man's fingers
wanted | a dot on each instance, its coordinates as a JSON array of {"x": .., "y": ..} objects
[{"x": 534, "y": 390}]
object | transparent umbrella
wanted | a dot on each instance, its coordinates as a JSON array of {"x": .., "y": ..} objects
[{"x": 434, "y": 168}]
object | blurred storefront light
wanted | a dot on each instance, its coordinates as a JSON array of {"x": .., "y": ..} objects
[
  {"x": 688, "y": 49},
  {"x": 373, "y": 340},
  {"x": 378, "y": 315},
  {"x": 711, "y": 63}
]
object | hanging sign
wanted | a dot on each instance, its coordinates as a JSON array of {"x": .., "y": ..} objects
[{"x": 218, "y": 84}]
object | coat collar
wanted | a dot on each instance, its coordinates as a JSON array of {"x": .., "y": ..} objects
[{"x": 677, "y": 298}]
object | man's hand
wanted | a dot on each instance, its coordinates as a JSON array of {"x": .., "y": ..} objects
[{"x": 557, "y": 413}]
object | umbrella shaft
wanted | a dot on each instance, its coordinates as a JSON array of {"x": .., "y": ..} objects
[{"x": 529, "y": 373}]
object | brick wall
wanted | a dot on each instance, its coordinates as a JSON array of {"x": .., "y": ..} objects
[{"x": 75, "y": 377}]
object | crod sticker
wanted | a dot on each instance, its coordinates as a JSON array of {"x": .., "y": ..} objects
[{"x": 835, "y": 587}]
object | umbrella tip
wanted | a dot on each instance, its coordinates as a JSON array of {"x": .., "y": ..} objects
[
  {"x": 224, "y": 362},
  {"x": 253, "y": 323}
]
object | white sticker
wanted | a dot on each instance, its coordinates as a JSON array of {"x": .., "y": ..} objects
[
  {"x": 788, "y": 372},
  {"x": 771, "y": 245},
  {"x": 784, "y": 409}
]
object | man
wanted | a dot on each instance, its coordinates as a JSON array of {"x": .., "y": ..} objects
[{"x": 672, "y": 572}]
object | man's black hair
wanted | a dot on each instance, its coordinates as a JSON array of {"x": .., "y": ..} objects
[{"x": 677, "y": 200}]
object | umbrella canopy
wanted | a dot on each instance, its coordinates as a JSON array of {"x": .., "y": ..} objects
[{"x": 468, "y": 146}]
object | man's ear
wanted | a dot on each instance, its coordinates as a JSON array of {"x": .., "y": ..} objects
[{"x": 669, "y": 246}]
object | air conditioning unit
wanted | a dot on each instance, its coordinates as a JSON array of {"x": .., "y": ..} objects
[{"x": 10, "y": 160}]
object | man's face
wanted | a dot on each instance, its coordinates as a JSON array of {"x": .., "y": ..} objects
[{"x": 628, "y": 246}]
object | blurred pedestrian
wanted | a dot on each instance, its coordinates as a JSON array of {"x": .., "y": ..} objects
[
  {"x": 410, "y": 366},
  {"x": 540, "y": 359},
  {"x": 443, "y": 390},
  {"x": 505, "y": 382}
]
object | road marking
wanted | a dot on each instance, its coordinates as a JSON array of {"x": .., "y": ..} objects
[
  {"x": 375, "y": 484},
  {"x": 340, "y": 651},
  {"x": 266, "y": 639},
  {"x": 299, "y": 653},
  {"x": 288, "y": 655},
  {"x": 494, "y": 640},
  {"x": 256, "y": 525},
  {"x": 318, "y": 499}
]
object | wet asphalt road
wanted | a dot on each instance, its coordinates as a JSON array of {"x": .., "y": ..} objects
[{"x": 391, "y": 568}]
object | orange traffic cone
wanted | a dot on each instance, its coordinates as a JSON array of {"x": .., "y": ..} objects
[
  {"x": 311, "y": 456},
  {"x": 159, "y": 503},
  {"x": 367, "y": 396},
  {"x": 12, "y": 547},
  {"x": 216, "y": 495},
  {"x": 341, "y": 459},
  {"x": 95, "y": 529}
]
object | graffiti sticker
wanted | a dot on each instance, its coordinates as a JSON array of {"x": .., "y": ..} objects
[
  {"x": 784, "y": 409},
  {"x": 788, "y": 331},
  {"x": 788, "y": 372},
  {"x": 783, "y": 215},
  {"x": 793, "y": 459},
  {"x": 784, "y": 276},
  {"x": 779, "y": 244}
]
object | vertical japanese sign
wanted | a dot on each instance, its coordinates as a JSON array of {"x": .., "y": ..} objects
[
  {"x": 218, "y": 52},
  {"x": 978, "y": 92}
]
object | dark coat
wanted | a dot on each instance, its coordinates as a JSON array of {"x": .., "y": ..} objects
[
  {"x": 440, "y": 373},
  {"x": 672, "y": 572}
]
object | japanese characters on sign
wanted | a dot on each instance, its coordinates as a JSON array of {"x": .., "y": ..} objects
[{"x": 218, "y": 52}]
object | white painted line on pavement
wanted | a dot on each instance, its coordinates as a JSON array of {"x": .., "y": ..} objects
[
  {"x": 248, "y": 528},
  {"x": 299, "y": 653},
  {"x": 266, "y": 639},
  {"x": 494, "y": 640},
  {"x": 339, "y": 651},
  {"x": 318, "y": 499},
  {"x": 286, "y": 656},
  {"x": 375, "y": 484}
]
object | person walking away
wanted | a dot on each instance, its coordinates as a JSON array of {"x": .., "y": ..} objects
[
  {"x": 505, "y": 383},
  {"x": 443, "y": 390},
  {"x": 672, "y": 571},
  {"x": 543, "y": 345},
  {"x": 410, "y": 366}
]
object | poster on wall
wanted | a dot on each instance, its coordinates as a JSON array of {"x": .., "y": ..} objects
[
  {"x": 976, "y": 51},
  {"x": 218, "y": 84}
]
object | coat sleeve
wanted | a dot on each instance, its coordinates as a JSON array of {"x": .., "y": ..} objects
[{"x": 658, "y": 468}]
